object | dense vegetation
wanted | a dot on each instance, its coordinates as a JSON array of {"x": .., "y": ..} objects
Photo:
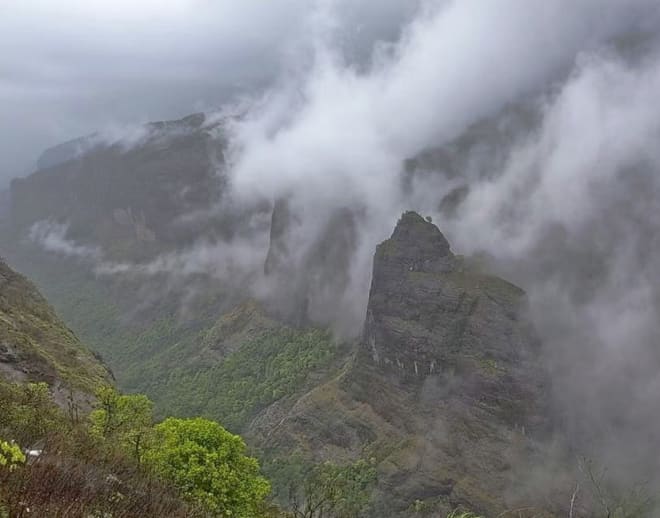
[
  {"x": 71, "y": 473},
  {"x": 209, "y": 465},
  {"x": 269, "y": 367},
  {"x": 117, "y": 462},
  {"x": 106, "y": 461},
  {"x": 172, "y": 360}
]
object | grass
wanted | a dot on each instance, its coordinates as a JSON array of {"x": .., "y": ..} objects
[{"x": 42, "y": 344}]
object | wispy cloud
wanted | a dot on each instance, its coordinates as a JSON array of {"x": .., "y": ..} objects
[{"x": 567, "y": 207}]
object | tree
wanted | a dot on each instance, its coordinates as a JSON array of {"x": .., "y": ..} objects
[
  {"x": 331, "y": 490},
  {"x": 10, "y": 455},
  {"x": 614, "y": 501},
  {"x": 123, "y": 421},
  {"x": 27, "y": 414},
  {"x": 209, "y": 466}
]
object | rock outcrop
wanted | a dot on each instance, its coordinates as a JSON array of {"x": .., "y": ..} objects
[
  {"x": 430, "y": 317},
  {"x": 444, "y": 394},
  {"x": 308, "y": 281},
  {"x": 4, "y": 205}
]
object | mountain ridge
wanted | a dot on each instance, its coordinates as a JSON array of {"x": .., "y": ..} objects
[
  {"x": 443, "y": 390},
  {"x": 442, "y": 416}
]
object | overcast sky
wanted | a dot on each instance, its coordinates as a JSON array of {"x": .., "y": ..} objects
[{"x": 69, "y": 67}]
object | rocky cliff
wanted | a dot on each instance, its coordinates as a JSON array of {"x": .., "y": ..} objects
[
  {"x": 444, "y": 394},
  {"x": 127, "y": 195},
  {"x": 307, "y": 281},
  {"x": 430, "y": 318}
]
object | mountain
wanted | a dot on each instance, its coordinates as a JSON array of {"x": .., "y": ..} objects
[
  {"x": 36, "y": 346},
  {"x": 444, "y": 392},
  {"x": 70, "y": 444},
  {"x": 125, "y": 199},
  {"x": 127, "y": 195},
  {"x": 306, "y": 284}
]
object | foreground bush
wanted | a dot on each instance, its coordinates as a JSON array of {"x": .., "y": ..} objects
[
  {"x": 116, "y": 463},
  {"x": 208, "y": 464}
]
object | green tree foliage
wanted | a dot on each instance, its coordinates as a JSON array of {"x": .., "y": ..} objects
[
  {"x": 27, "y": 413},
  {"x": 90, "y": 468},
  {"x": 209, "y": 465},
  {"x": 264, "y": 370},
  {"x": 10, "y": 455},
  {"x": 74, "y": 475},
  {"x": 332, "y": 490},
  {"x": 123, "y": 421}
]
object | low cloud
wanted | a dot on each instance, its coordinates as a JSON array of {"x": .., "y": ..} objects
[
  {"x": 51, "y": 236},
  {"x": 76, "y": 67},
  {"x": 563, "y": 201},
  {"x": 573, "y": 218}
]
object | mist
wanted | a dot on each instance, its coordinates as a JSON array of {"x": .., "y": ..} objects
[
  {"x": 71, "y": 68},
  {"x": 567, "y": 205}
]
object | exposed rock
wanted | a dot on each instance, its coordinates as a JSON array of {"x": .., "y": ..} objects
[
  {"x": 8, "y": 354},
  {"x": 122, "y": 196},
  {"x": 73, "y": 149},
  {"x": 66, "y": 151},
  {"x": 428, "y": 313},
  {"x": 281, "y": 223},
  {"x": 445, "y": 392},
  {"x": 4, "y": 204},
  {"x": 307, "y": 282}
]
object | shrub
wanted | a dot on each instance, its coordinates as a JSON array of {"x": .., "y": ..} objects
[{"x": 209, "y": 466}]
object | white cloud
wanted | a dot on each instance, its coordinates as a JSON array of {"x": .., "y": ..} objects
[
  {"x": 571, "y": 211},
  {"x": 51, "y": 236},
  {"x": 76, "y": 67}
]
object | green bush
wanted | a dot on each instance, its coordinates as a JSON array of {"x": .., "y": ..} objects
[
  {"x": 208, "y": 464},
  {"x": 10, "y": 455},
  {"x": 108, "y": 465},
  {"x": 27, "y": 413},
  {"x": 122, "y": 421}
]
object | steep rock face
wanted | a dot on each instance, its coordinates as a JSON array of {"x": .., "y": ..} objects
[
  {"x": 66, "y": 151},
  {"x": 4, "y": 205},
  {"x": 404, "y": 288},
  {"x": 429, "y": 316},
  {"x": 36, "y": 346},
  {"x": 308, "y": 281},
  {"x": 126, "y": 196},
  {"x": 444, "y": 393}
]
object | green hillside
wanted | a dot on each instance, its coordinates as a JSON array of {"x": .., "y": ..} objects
[{"x": 35, "y": 345}]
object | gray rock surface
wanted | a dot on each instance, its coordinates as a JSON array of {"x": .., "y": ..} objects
[{"x": 444, "y": 394}]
